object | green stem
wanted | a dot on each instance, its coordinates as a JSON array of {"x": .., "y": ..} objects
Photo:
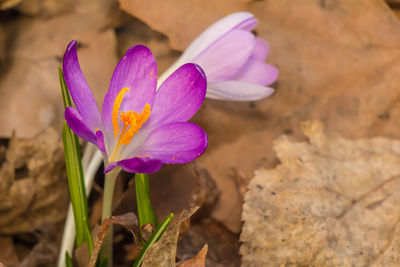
[
  {"x": 109, "y": 183},
  {"x": 145, "y": 209}
]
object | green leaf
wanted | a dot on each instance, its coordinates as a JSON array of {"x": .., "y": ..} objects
[
  {"x": 153, "y": 238},
  {"x": 102, "y": 263},
  {"x": 75, "y": 177},
  {"x": 68, "y": 260},
  {"x": 64, "y": 89},
  {"x": 145, "y": 209},
  {"x": 76, "y": 187}
]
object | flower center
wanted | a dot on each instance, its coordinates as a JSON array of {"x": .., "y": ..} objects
[{"x": 133, "y": 121}]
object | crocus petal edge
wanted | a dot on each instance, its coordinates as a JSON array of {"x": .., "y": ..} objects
[
  {"x": 237, "y": 91},
  {"x": 140, "y": 165},
  {"x": 79, "y": 89},
  {"x": 78, "y": 125}
]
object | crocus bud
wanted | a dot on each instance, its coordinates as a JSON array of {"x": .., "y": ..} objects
[{"x": 232, "y": 58}]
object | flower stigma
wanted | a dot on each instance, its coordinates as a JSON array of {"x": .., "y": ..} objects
[{"x": 133, "y": 121}]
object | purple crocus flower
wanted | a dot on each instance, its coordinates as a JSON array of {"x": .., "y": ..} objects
[
  {"x": 139, "y": 128},
  {"x": 232, "y": 58}
]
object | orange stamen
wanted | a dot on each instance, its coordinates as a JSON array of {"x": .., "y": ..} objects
[
  {"x": 115, "y": 110},
  {"x": 133, "y": 121}
]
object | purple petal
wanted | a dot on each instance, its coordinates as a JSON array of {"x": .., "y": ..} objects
[
  {"x": 214, "y": 32},
  {"x": 110, "y": 166},
  {"x": 78, "y": 125},
  {"x": 178, "y": 142},
  {"x": 248, "y": 24},
  {"x": 137, "y": 70},
  {"x": 259, "y": 73},
  {"x": 100, "y": 141},
  {"x": 79, "y": 89},
  {"x": 237, "y": 91},
  {"x": 180, "y": 96},
  {"x": 261, "y": 50},
  {"x": 140, "y": 165},
  {"x": 224, "y": 58}
]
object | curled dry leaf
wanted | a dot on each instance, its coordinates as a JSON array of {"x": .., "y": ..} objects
[
  {"x": 146, "y": 230},
  {"x": 45, "y": 252},
  {"x": 128, "y": 220},
  {"x": 197, "y": 261},
  {"x": 33, "y": 182},
  {"x": 163, "y": 252},
  {"x": 223, "y": 245},
  {"x": 331, "y": 202},
  {"x": 205, "y": 193}
]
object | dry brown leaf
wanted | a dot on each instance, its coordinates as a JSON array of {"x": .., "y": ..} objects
[
  {"x": 45, "y": 8},
  {"x": 334, "y": 67},
  {"x": 393, "y": 2},
  {"x": 30, "y": 90},
  {"x": 205, "y": 194},
  {"x": 197, "y": 261},
  {"x": 128, "y": 220},
  {"x": 33, "y": 183},
  {"x": 163, "y": 252},
  {"x": 43, "y": 253},
  {"x": 223, "y": 245},
  {"x": 3, "y": 48},
  {"x": 180, "y": 20},
  {"x": 331, "y": 202},
  {"x": 81, "y": 255},
  {"x": 135, "y": 32},
  {"x": 5, "y": 4},
  {"x": 8, "y": 254}
]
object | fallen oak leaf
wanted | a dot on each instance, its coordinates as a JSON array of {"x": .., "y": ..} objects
[
  {"x": 197, "y": 261},
  {"x": 128, "y": 220},
  {"x": 223, "y": 245},
  {"x": 331, "y": 202},
  {"x": 32, "y": 184},
  {"x": 163, "y": 252},
  {"x": 205, "y": 193}
]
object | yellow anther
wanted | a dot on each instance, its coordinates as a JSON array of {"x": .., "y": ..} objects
[
  {"x": 115, "y": 110},
  {"x": 135, "y": 121}
]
